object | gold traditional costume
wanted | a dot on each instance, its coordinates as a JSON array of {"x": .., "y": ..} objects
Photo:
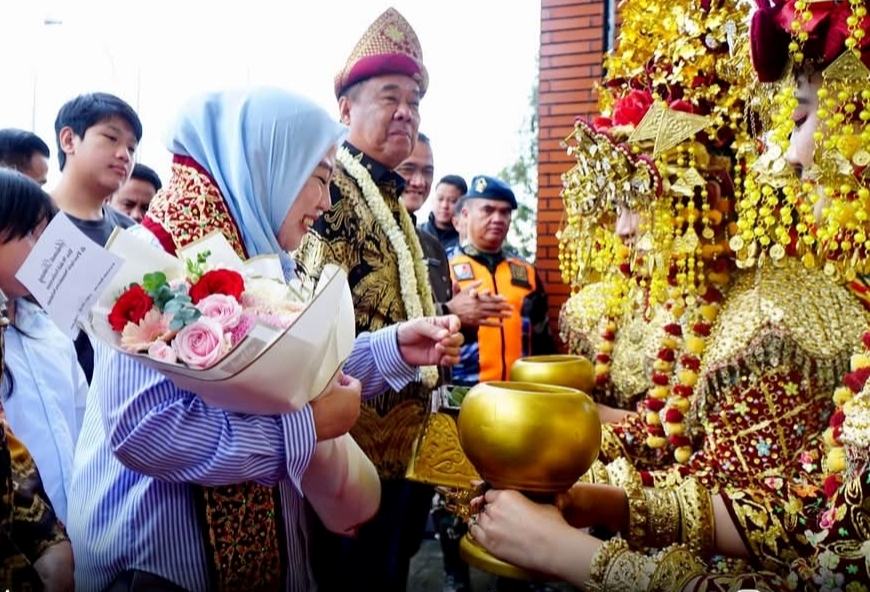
[
  {"x": 350, "y": 235},
  {"x": 770, "y": 361}
]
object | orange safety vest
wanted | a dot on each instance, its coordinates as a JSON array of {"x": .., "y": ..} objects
[{"x": 491, "y": 356}]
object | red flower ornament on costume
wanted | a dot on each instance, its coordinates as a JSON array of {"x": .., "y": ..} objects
[
  {"x": 853, "y": 383},
  {"x": 827, "y": 30},
  {"x": 630, "y": 109}
]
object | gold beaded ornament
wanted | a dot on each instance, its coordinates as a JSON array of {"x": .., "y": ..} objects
[
  {"x": 692, "y": 62},
  {"x": 778, "y": 215}
]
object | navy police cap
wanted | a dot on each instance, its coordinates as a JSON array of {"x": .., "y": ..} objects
[{"x": 491, "y": 188}]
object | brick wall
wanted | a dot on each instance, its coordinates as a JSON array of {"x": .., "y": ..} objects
[{"x": 573, "y": 39}]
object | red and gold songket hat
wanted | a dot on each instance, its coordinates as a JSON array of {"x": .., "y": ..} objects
[{"x": 389, "y": 46}]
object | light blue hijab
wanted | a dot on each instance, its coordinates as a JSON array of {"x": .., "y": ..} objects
[{"x": 260, "y": 146}]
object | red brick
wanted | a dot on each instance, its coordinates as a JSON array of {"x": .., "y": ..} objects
[
  {"x": 575, "y": 108},
  {"x": 572, "y": 22},
  {"x": 567, "y": 9},
  {"x": 561, "y": 72},
  {"x": 547, "y": 169},
  {"x": 568, "y": 60},
  {"x": 590, "y": 35},
  {"x": 580, "y": 49}
]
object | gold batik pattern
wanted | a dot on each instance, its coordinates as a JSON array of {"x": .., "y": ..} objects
[
  {"x": 28, "y": 525},
  {"x": 348, "y": 235},
  {"x": 241, "y": 520}
]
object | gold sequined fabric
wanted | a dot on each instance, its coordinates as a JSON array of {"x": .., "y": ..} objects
[
  {"x": 582, "y": 321},
  {"x": 780, "y": 345}
]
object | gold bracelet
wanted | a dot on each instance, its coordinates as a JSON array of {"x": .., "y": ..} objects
[
  {"x": 698, "y": 526},
  {"x": 597, "y": 473},
  {"x": 663, "y": 518},
  {"x": 600, "y": 564},
  {"x": 624, "y": 475},
  {"x": 613, "y": 568},
  {"x": 676, "y": 566}
]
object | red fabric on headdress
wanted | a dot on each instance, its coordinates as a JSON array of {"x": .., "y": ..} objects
[
  {"x": 770, "y": 35},
  {"x": 389, "y": 46}
]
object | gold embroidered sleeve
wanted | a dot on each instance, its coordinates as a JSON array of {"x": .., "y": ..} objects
[
  {"x": 615, "y": 568},
  {"x": 773, "y": 522}
]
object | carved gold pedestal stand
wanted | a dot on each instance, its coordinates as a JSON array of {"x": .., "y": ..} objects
[{"x": 537, "y": 434}]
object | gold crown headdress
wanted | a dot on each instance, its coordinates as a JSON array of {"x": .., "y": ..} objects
[
  {"x": 607, "y": 174},
  {"x": 697, "y": 129},
  {"x": 793, "y": 40}
]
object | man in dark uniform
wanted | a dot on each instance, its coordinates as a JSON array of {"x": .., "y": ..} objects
[{"x": 486, "y": 213}]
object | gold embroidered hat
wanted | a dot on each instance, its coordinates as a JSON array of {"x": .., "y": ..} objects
[{"x": 389, "y": 46}]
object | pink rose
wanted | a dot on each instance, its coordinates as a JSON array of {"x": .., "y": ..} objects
[
  {"x": 241, "y": 330},
  {"x": 163, "y": 352},
  {"x": 201, "y": 344},
  {"x": 224, "y": 309}
]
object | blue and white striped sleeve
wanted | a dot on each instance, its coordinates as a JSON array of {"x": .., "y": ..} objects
[
  {"x": 158, "y": 430},
  {"x": 376, "y": 362}
]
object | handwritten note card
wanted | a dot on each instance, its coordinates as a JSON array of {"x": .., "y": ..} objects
[{"x": 66, "y": 272}]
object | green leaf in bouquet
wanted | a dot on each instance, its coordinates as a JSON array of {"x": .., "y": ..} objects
[
  {"x": 152, "y": 282},
  {"x": 181, "y": 315},
  {"x": 162, "y": 297},
  {"x": 196, "y": 268}
]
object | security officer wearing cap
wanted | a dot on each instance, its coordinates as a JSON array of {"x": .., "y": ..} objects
[{"x": 490, "y": 351}]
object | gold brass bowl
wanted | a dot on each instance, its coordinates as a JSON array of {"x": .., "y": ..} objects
[
  {"x": 562, "y": 370},
  {"x": 536, "y": 438}
]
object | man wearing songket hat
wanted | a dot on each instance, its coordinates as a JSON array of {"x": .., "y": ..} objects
[{"x": 369, "y": 233}]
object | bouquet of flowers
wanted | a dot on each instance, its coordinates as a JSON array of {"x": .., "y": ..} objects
[{"x": 231, "y": 331}]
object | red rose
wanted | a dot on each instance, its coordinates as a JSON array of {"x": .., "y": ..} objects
[
  {"x": 856, "y": 380},
  {"x": 660, "y": 379},
  {"x": 218, "y": 281},
  {"x": 631, "y": 109},
  {"x": 666, "y": 354},
  {"x": 131, "y": 307},
  {"x": 682, "y": 390},
  {"x": 673, "y": 329},
  {"x": 673, "y": 416},
  {"x": 678, "y": 441}
]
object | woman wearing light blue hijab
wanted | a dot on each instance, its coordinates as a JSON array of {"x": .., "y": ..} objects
[{"x": 172, "y": 494}]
